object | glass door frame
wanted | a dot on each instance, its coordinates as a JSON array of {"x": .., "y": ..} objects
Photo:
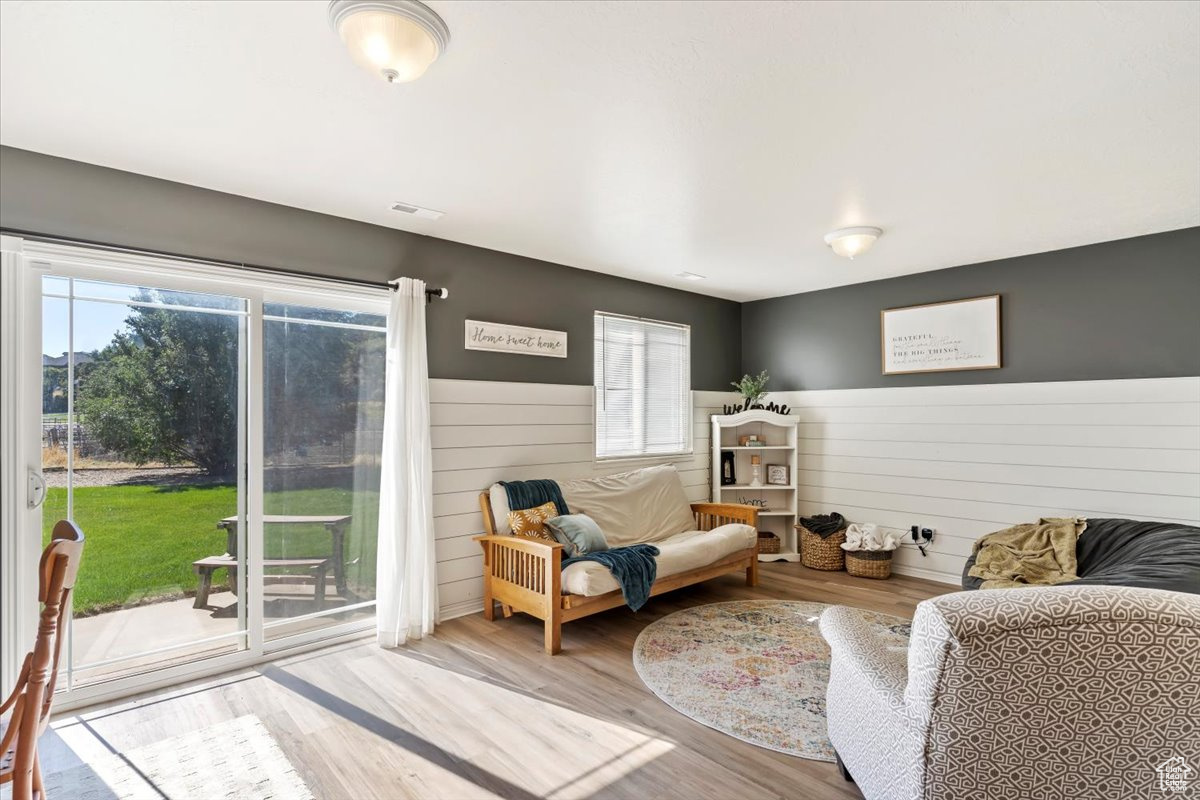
[
  {"x": 20, "y": 456},
  {"x": 25, "y": 262}
]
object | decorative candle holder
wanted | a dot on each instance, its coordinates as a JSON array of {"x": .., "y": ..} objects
[{"x": 756, "y": 470}]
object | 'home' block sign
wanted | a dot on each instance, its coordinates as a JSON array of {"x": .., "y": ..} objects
[{"x": 513, "y": 339}]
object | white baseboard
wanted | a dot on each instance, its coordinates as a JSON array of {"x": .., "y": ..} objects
[
  {"x": 927, "y": 574},
  {"x": 468, "y": 607},
  {"x": 462, "y": 609}
]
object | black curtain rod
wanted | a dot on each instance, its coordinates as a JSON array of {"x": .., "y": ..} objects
[{"x": 430, "y": 294}]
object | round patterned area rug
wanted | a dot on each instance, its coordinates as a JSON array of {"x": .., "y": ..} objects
[{"x": 755, "y": 669}]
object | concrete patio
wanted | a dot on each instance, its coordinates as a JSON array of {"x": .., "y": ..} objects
[{"x": 127, "y": 633}]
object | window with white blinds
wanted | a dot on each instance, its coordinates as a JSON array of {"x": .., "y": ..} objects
[{"x": 643, "y": 387}]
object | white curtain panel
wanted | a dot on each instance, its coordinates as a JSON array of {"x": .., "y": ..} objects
[{"x": 406, "y": 589}]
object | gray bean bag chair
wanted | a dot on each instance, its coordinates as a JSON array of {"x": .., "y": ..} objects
[{"x": 1127, "y": 552}]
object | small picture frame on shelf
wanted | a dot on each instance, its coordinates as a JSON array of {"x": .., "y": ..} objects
[
  {"x": 749, "y": 440},
  {"x": 778, "y": 475}
]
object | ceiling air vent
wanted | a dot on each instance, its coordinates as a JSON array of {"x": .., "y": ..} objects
[{"x": 416, "y": 211}]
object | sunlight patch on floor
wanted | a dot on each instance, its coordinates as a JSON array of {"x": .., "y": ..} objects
[
  {"x": 236, "y": 757},
  {"x": 548, "y": 750}
]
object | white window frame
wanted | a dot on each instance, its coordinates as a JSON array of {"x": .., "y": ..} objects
[
  {"x": 597, "y": 400},
  {"x": 24, "y": 262}
]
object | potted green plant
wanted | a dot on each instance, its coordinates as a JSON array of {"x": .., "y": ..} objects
[{"x": 752, "y": 388}]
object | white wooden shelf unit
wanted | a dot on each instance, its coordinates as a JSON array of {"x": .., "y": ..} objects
[{"x": 779, "y": 431}]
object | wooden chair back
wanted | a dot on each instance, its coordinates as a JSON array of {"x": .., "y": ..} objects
[{"x": 33, "y": 695}]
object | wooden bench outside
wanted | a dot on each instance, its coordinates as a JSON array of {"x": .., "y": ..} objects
[{"x": 205, "y": 567}]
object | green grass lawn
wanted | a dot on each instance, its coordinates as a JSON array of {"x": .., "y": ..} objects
[{"x": 142, "y": 540}]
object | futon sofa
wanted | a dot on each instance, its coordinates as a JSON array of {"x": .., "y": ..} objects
[
  {"x": 696, "y": 542},
  {"x": 1050, "y": 692}
]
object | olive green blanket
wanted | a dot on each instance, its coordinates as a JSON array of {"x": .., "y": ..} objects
[{"x": 1041, "y": 553}]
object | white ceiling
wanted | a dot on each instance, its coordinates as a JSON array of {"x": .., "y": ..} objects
[{"x": 643, "y": 139}]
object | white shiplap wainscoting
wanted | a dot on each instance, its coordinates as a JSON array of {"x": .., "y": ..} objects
[
  {"x": 968, "y": 460},
  {"x": 485, "y": 431}
]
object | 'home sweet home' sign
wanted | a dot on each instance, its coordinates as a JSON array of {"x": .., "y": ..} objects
[{"x": 513, "y": 339}]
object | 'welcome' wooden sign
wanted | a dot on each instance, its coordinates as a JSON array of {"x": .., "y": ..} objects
[{"x": 513, "y": 339}]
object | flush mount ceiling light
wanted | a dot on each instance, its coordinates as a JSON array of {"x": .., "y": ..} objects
[
  {"x": 395, "y": 39},
  {"x": 689, "y": 276},
  {"x": 851, "y": 242}
]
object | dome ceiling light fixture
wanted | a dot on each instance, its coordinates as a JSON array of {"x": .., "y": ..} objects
[
  {"x": 851, "y": 242},
  {"x": 395, "y": 39}
]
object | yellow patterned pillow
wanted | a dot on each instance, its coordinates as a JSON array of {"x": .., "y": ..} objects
[{"x": 532, "y": 521}]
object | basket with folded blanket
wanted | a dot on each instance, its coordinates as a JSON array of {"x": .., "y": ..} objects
[
  {"x": 869, "y": 549},
  {"x": 821, "y": 539}
]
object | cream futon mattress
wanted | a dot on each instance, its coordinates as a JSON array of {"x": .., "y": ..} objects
[{"x": 679, "y": 553}]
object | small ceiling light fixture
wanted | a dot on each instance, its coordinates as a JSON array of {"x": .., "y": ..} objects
[
  {"x": 397, "y": 39},
  {"x": 851, "y": 242},
  {"x": 689, "y": 276}
]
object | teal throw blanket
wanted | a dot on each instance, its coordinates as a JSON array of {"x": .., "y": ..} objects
[
  {"x": 633, "y": 567},
  {"x": 531, "y": 494}
]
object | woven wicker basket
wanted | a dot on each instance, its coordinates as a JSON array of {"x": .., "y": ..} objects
[
  {"x": 768, "y": 543},
  {"x": 817, "y": 553},
  {"x": 869, "y": 563}
]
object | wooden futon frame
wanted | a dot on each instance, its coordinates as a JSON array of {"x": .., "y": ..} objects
[{"x": 525, "y": 574}]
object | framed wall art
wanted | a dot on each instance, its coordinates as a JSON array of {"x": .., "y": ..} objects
[
  {"x": 941, "y": 337},
  {"x": 779, "y": 475}
]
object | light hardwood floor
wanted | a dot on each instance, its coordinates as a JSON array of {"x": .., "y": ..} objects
[{"x": 479, "y": 711}]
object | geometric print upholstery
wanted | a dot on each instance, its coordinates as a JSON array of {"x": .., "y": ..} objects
[
  {"x": 1044, "y": 692},
  {"x": 866, "y": 717}
]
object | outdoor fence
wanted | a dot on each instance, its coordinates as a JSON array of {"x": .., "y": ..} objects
[{"x": 56, "y": 435}]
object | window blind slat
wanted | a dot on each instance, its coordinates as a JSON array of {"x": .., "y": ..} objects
[{"x": 643, "y": 387}]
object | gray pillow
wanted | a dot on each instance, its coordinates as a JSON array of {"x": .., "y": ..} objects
[{"x": 578, "y": 533}]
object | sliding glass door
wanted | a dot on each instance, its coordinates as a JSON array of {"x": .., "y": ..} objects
[
  {"x": 143, "y": 447},
  {"x": 323, "y": 438},
  {"x": 218, "y": 442}
]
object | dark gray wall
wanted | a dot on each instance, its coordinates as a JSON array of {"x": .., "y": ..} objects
[
  {"x": 71, "y": 199},
  {"x": 1123, "y": 309}
]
